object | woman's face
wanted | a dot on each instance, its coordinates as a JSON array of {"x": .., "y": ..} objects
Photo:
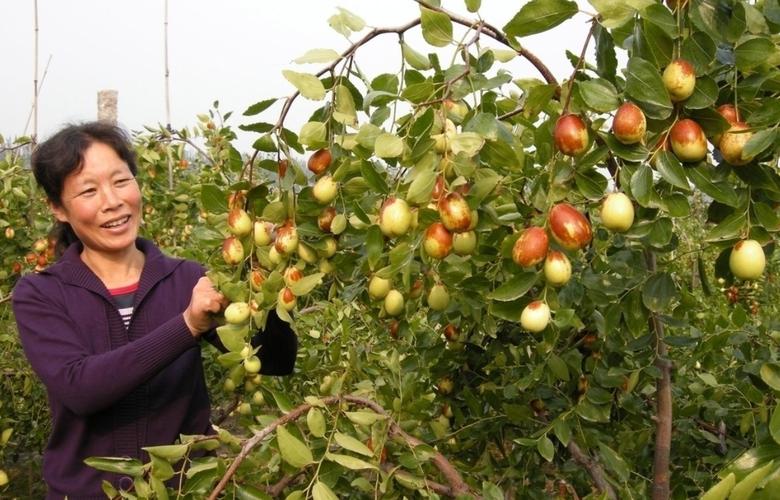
[{"x": 102, "y": 202}]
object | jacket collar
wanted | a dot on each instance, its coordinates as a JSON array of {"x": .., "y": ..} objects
[{"x": 72, "y": 270}]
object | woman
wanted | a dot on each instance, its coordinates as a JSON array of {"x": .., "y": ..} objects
[{"x": 113, "y": 327}]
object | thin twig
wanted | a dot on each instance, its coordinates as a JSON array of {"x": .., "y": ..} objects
[
  {"x": 593, "y": 468},
  {"x": 579, "y": 64}
]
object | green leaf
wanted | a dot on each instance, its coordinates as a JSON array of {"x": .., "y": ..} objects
[
  {"x": 170, "y": 452},
  {"x": 364, "y": 417},
  {"x": 514, "y": 288},
  {"x": 315, "y": 420},
  {"x": 373, "y": 178},
  {"x": 729, "y": 228},
  {"x": 414, "y": 58},
  {"x": 699, "y": 49},
  {"x": 306, "y": 284},
  {"x": 721, "y": 490},
  {"x": 125, "y": 466},
  {"x": 660, "y": 16},
  {"x": 233, "y": 337},
  {"x": 770, "y": 374},
  {"x": 538, "y": 16},
  {"x": 344, "y": 106},
  {"x": 752, "y": 53},
  {"x": 562, "y": 431},
  {"x": 352, "y": 444},
  {"x": 345, "y": 22},
  {"x": 704, "y": 94},
  {"x": 745, "y": 488},
  {"x": 644, "y": 85},
  {"x": 558, "y": 367},
  {"x": 606, "y": 60},
  {"x": 720, "y": 191},
  {"x": 388, "y": 146},
  {"x": 212, "y": 199},
  {"x": 374, "y": 246},
  {"x": 317, "y": 56},
  {"x": 545, "y": 448},
  {"x": 322, "y": 491},
  {"x": 293, "y": 450},
  {"x": 436, "y": 27},
  {"x": 671, "y": 170},
  {"x": 249, "y": 492},
  {"x": 468, "y": 143},
  {"x": 599, "y": 95},
  {"x": 659, "y": 292},
  {"x": 642, "y": 185},
  {"x": 421, "y": 187},
  {"x": 591, "y": 184},
  {"x": 350, "y": 462},
  {"x": 259, "y": 107},
  {"x": 307, "y": 84},
  {"x": 491, "y": 492},
  {"x": 313, "y": 134},
  {"x": 614, "y": 462},
  {"x": 759, "y": 142},
  {"x": 614, "y": 13}
]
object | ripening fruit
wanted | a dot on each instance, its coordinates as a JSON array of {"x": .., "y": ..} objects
[
  {"x": 394, "y": 217},
  {"x": 282, "y": 167},
  {"x": 688, "y": 141},
  {"x": 679, "y": 79},
  {"x": 252, "y": 364},
  {"x": 3, "y": 478},
  {"x": 569, "y": 227},
  {"x": 451, "y": 332},
  {"x": 464, "y": 243},
  {"x": 438, "y": 297},
  {"x": 325, "y": 219},
  {"x": 287, "y": 299},
  {"x": 256, "y": 280},
  {"x": 232, "y": 251},
  {"x": 437, "y": 241},
  {"x": 306, "y": 253},
  {"x": 438, "y": 188},
  {"x": 730, "y": 114},
  {"x": 326, "y": 267},
  {"x": 263, "y": 233},
  {"x": 378, "y": 287},
  {"x": 617, "y": 212},
  {"x": 630, "y": 124},
  {"x": 747, "y": 260},
  {"x": 732, "y": 144},
  {"x": 445, "y": 385},
  {"x": 454, "y": 212},
  {"x": 275, "y": 257},
  {"x": 557, "y": 268},
  {"x": 531, "y": 247},
  {"x": 245, "y": 409},
  {"x": 535, "y": 317},
  {"x": 286, "y": 239},
  {"x": 291, "y": 275},
  {"x": 394, "y": 303},
  {"x": 237, "y": 313},
  {"x": 325, "y": 189},
  {"x": 239, "y": 222},
  {"x": 319, "y": 161},
  {"x": 258, "y": 398},
  {"x": 331, "y": 246},
  {"x": 571, "y": 135},
  {"x": 10, "y": 233}
]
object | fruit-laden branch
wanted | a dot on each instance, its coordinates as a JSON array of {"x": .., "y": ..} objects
[
  {"x": 481, "y": 26},
  {"x": 593, "y": 468},
  {"x": 456, "y": 484},
  {"x": 663, "y": 427}
]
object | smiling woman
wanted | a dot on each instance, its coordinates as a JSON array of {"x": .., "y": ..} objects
[{"x": 113, "y": 327}]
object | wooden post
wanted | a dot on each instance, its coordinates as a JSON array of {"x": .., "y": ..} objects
[{"x": 107, "y": 100}]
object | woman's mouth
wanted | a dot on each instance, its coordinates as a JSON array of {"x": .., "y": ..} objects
[{"x": 116, "y": 222}]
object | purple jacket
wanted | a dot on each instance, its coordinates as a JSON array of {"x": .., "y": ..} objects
[{"x": 111, "y": 390}]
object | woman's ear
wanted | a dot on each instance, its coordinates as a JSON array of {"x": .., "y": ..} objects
[{"x": 58, "y": 211}]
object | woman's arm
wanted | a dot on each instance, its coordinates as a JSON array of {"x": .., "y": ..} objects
[{"x": 83, "y": 381}]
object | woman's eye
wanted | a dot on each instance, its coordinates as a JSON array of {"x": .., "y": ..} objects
[{"x": 89, "y": 192}]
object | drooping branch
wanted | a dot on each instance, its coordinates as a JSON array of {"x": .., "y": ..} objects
[
  {"x": 593, "y": 468},
  {"x": 456, "y": 484},
  {"x": 480, "y": 26},
  {"x": 663, "y": 427}
]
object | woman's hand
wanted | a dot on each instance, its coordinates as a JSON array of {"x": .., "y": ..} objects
[{"x": 205, "y": 301}]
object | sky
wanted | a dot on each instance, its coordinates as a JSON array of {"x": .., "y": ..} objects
[{"x": 233, "y": 51}]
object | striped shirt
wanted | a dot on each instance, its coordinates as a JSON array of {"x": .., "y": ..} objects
[{"x": 123, "y": 297}]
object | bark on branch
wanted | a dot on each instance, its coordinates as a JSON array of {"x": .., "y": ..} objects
[
  {"x": 663, "y": 427},
  {"x": 456, "y": 484},
  {"x": 593, "y": 468}
]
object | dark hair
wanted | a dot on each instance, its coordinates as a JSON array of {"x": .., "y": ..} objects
[{"x": 63, "y": 154}]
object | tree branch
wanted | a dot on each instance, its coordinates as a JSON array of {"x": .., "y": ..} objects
[
  {"x": 593, "y": 468},
  {"x": 456, "y": 484},
  {"x": 663, "y": 427}
]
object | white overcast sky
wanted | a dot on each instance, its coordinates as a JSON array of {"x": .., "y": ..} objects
[{"x": 230, "y": 50}]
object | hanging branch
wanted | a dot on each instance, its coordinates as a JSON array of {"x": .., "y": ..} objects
[
  {"x": 481, "y": 26},
  {"x": 663, "y": 418},
  {"x": 456, "y": 484},
  {"x": 593, "y": 468}
]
